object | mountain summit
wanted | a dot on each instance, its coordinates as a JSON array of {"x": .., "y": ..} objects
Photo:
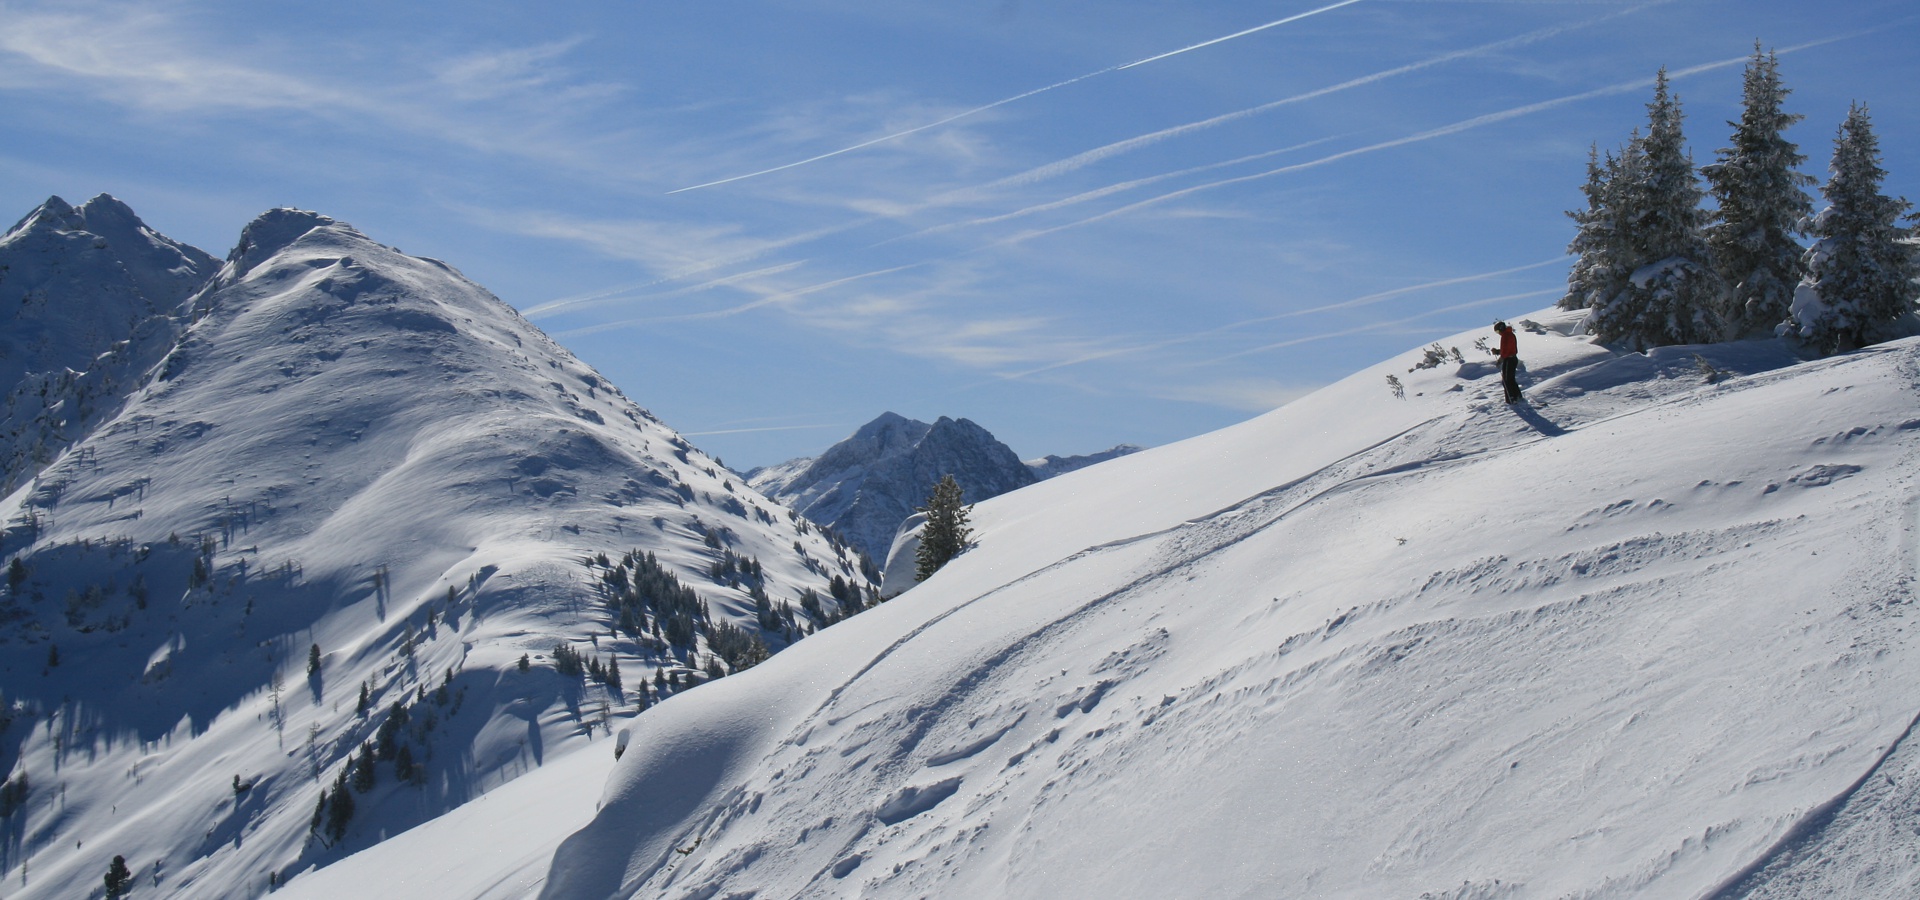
[
  {"x": 340, "y": 531},
  {"x": 79, "y": 289},
  {"x": 867, "y": 485}
]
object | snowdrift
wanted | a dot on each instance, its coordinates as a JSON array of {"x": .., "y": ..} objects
[{"x": 1647, "y": 637}]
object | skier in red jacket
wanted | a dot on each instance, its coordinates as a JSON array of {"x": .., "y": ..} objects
[{"x": 1509, "y": 361}]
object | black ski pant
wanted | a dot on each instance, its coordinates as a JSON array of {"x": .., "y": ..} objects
[{"x": 1510, "y": 377}]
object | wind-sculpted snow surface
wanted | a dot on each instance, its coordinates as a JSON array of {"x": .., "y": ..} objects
[
  {"x": 342, "y": 450},
  {"x": 1648, "y": 638}
]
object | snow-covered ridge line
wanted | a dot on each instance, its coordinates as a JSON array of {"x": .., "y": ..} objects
[{"x": 338, "y": 511}]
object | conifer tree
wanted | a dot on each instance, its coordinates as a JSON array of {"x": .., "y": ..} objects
[
  {"x": 946, "y": 533},
  {"x": 118, "y": 879},
  {"x": 1598, "y": 274},
  {"x": 1860, "y": 271},
  {"x": 313, "y": 660},
  {"x": 1672, "y": 294},
  {"x": 339, "y": 807},
  {"x": 1762, "y": 200},
  {"x": 363, "y": 769}
]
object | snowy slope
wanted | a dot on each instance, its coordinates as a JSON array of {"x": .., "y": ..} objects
[
  {"x": 361, "y": 451},
  {"x": 1646, "y": 640}
]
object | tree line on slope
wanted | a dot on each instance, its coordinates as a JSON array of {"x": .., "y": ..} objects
[{"x": 1656, "y": 268}]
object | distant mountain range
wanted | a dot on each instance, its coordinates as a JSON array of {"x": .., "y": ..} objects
[
  {"x": 323, "y": 449},
  {"x": 864, "y": 487}
]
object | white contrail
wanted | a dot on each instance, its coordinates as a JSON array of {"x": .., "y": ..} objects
[
  {"x": 1367, "y": 300},
  {"x": 1381, "y": 326},
  {"x": 768, "y": 300},
  {"x": 1017, "y": 97},
  {"x": 1238, "y": 34},
  {"x": 1097, "y": 154},
  {"x": 1430, "y": 134},
  {"x": 1098, "y": 193},
  {"x": 1371, "y": 299},
  {"x": 609, "y": 295}
]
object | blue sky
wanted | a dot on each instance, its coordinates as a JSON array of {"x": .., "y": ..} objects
[{"x": 1077, "y": 223}]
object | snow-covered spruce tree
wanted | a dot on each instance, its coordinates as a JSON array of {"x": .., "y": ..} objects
[
  {"x": 1860, "y": 271},
  {"x": 946, "y": 533},
  {"x": 1762, "y": 200},
  {"x": 1599, "y": 273},
  {"x": 1672, "y": 294}
]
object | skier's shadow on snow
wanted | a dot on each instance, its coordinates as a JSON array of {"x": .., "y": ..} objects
[{"x": 1539, "y": 422}]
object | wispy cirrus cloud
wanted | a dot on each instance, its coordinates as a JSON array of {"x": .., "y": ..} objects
[
  {"x": 1108, "y": 151},
  {"x": 537, "y": 70},
  {"x": 148, "y": 63},
  {"x": 900, "y": 210},
  {"x": 153, "y": 60},
  {"x": 896, "y": 135}
]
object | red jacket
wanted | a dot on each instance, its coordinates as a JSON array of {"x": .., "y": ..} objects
[{"x": 1508, "y": 345}]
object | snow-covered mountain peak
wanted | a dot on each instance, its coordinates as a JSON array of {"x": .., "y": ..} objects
[
  {"x": 76, "y": 281},
  {"x": 272, "y": 232},
  {"x": 888, "y": 434},
  {"x": 360, "y": 454},
  {"x": 164, "y": 269},
  {"x": 866, "y": 485},
  {"x": 54, "y": 214}
]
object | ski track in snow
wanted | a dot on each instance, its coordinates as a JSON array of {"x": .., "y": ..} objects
[{"x": 1581, "y": 651}]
